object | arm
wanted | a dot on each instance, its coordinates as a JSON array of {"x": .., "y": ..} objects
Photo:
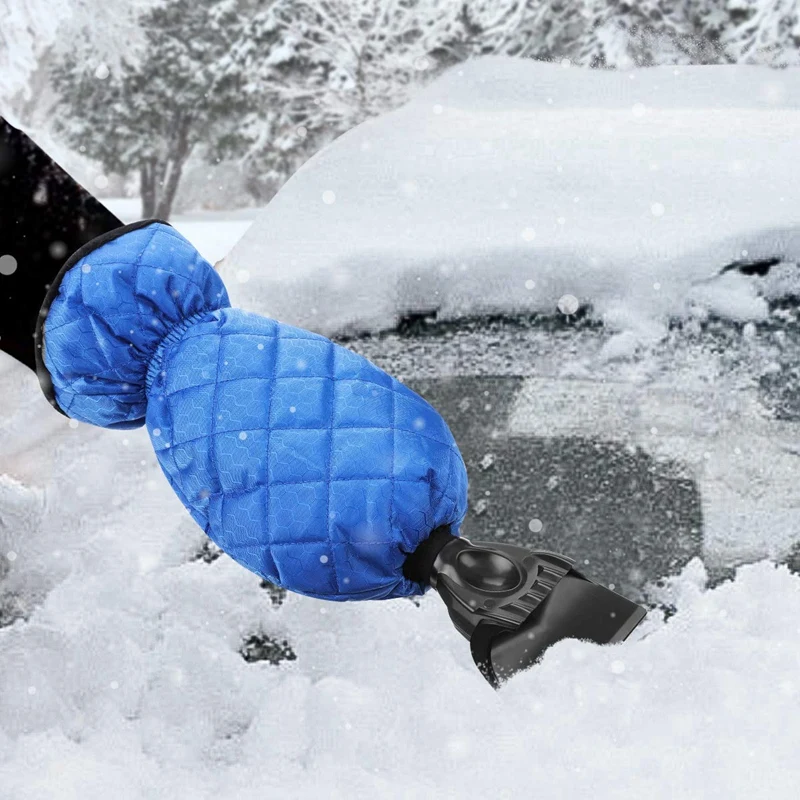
[{"x": 45, "y": 216}]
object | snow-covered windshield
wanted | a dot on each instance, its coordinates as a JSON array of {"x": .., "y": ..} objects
[{"x": 593, "y": 276}]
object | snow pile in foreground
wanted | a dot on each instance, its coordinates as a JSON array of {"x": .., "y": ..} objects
[
  {"x": 120, "y": 676},
  {"x": 508, "y": 184}
]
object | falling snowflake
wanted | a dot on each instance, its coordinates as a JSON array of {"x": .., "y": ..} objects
[
  {"x": 57, "y": 249},
  {"x": 568, "y": 304}
]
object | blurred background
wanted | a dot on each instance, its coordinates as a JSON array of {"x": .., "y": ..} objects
[{"x": 213, "y": 104}]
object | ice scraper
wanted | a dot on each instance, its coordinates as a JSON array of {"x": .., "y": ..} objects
[
  {"x": 513, "y": 603},
  {"x": 306, "y": 463}
]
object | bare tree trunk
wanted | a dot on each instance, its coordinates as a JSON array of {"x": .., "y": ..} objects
[
  {"x": 148, "y": 190},
  {"x": 173, "y": 169},
  {"x": 159, "y": 169}
]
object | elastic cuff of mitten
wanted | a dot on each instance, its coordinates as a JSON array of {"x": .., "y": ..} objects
[
  {"x": 174, "y": 335},
  {"x": 419, "y": 564},
  {"x": 45, "y": 380}
]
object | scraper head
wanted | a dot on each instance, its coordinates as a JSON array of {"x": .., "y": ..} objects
[{"x": 513, "y": 603}]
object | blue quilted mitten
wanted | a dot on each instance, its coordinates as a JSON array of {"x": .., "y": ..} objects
[{"x": 302, "y": 460}]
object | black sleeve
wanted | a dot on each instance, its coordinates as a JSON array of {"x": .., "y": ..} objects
[{"x": 45, "y": 216}]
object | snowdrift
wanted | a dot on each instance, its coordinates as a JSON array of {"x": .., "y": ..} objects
[{"x": 508, "y": 184}]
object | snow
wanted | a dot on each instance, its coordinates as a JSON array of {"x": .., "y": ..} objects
[
  {"x": 27, "y": 29},
  {"x": 120, "y": 671},
  {"x": 212, "y": 233},
  {"x": 721, "y": 434},
  {"x": 509, "y": 184},
  {"x": 125, "y": 678}
]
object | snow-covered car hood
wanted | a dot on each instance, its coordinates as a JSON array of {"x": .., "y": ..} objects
[{"x": 508, "y": 184}]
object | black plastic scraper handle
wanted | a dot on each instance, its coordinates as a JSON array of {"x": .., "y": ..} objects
[{"x": 513, "y": 603}]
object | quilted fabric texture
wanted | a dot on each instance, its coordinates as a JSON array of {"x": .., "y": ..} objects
[{"x": 303, "y": 461}]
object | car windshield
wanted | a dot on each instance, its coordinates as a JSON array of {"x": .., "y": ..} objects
[{"x": 635, "y": 465}]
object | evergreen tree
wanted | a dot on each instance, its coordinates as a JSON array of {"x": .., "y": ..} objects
[{"x": 179, "y": 90}]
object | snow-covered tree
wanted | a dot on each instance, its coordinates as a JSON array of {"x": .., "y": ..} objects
[
  {"x": 319, "y": 67},
  {"x": 762, "y": 31},
  {"x": 180, "y": 90},
  {"x": 599, "y": 33},
  {"x": 102, "y": 30},
  {"x": 34, "y": 34},
  {"x": 362, "y": 55},
  {"x": 546, "y": 30},
  {"x": 26, "y": 30},
  {"x": 623, "y": 33}
]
